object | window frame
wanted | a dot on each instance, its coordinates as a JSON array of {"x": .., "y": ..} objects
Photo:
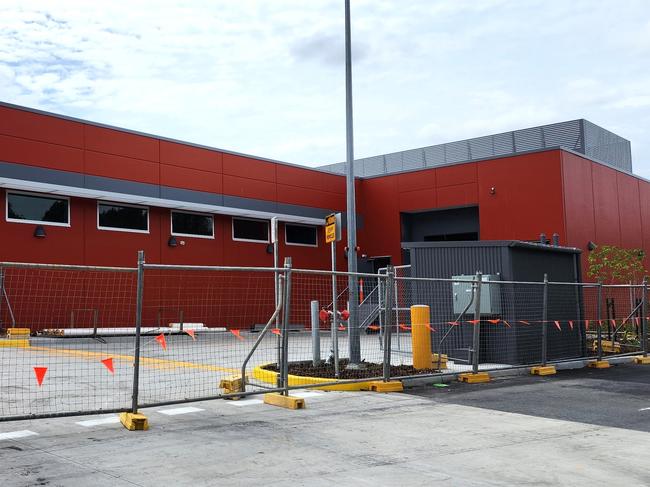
[
  {"x": 268, "y": 230},
  {"x": 35, "y": 222},
  {"x": 191, "y": 235},
  {"x": 127, "y": 205},
  {"x": 286, "y": 242}
]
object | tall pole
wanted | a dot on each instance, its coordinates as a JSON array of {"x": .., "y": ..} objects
[{"x": 353, "y": 323}]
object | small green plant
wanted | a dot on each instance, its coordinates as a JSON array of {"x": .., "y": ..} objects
[{"x": 613, "y": 265}]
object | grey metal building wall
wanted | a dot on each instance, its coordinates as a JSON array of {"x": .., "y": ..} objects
[{"x": 580, "y": 136}]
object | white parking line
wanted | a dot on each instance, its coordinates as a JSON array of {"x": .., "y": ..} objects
[
  {"x": 644, "y": 409},
  {"x": 245, "y": 402},
  {"x": 95, "y": 422},
  {"x": 174, "y": 412},
  {"x": 16, "y": 434}
]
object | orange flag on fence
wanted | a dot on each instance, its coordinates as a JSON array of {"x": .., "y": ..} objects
[
  {"x": 524, "y": 322},
  {"x": 557, "y": 325},
  {"x": 474, "y": 322},
  {"x": 494, "y": 322},
  {"x": 237, "y": 333},
  {"x": 404, "y": 327},
  {"x": 108, "y": 363},
  {"x": 373, "y": 327},
  {"x": 275, "y": 331},
  {"x": 40, "y": 374},
  {"x": 430, "y": 328},
  {"x": 613, "y": 323},
  {"x": 571, "y": 325},
  {"x": 341, "y": 328},
  {"x": 507, "y": 324},
  {"x": 586, "y": 324},
  {"x": 190, "y": 333},
  {"x": 453, "y": 323},
  {"x": 161, "y": 340},
  {"x": 600, "y": 323}
]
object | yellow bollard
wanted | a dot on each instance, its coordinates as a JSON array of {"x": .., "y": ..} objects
[{"x": 420, "y": 337}]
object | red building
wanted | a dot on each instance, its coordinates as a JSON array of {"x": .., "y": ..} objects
[{"x": 77, "y": 192}]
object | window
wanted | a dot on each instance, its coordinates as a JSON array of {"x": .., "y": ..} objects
[
  {"x": 250, "y": 230},
  {"x": 192, "y": 224},
  {"x": 295, "y": 234},
  {"x": 38, "y": 208},
  {"x": 126, "y": 218}
]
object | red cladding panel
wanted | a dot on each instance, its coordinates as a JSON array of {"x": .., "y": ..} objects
[
  {"x": 41, "y": 154},
  {"x": 454, "y": 175},
  {"x": 422, "y": 199},
  {"x": 248, "y": 188},
  {"x": 381, "y": 233},
  {"x": 527, "y": 197},
  {"x": 629, "y": 210},
  {"x": 190, "y": 157},
  {"x": 412, "y": 181},
  {"x": 305, "y": 178},
  {"x": 310, "y": 197},
  {"x": 608, "y": 230},
  {"x": 180, "y": 177},
  {"x": 27, "y": 125},
  {"x": 111, "y": 166},
  {"x": 248, "y": 167},
  {"x": 111, "y": 141},
  {"x": 459, "y": 195}
]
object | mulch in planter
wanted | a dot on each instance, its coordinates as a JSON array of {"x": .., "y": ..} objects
[{"x": 369, "y": 370}]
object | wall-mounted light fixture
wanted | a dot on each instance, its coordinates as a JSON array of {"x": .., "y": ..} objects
[
  {"x": 39, "y": 232},
  {"x": 172, "y": 241},
  {"x": 493, "y": 190}
]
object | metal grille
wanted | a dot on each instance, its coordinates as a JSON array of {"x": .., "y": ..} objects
[{"x": 578, "y": 135}]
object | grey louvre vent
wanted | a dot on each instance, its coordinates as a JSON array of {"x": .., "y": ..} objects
[{"x": 578, "y": 135}]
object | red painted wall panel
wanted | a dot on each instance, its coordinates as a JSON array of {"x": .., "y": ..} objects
[
  {"x": 527, "y": 199},
  {"x": 422, "y": 199},
  {"x": 190, "y": 157},
  {"x": 41, "y": 154},
  {"x": 454, "y": 175},
  {"x": 111, "y": 166},
  {"x": 412, "y": 181},
  {"x": 249, "y": 188},
  {"x": 248, "y": 167},
  {"x": 606, "y": 212},
  {"x": 124, "y": 144},
  {"x": 27, "y": 125},
  {"x": 458, "y": 195},
  {"x": 182, "y": 177},
  {"x": 629, "y": 210},
  {"x": 306, "y": 178},
  {"x": 310, "y": 197},
  {"x": 644, "y": 204}
]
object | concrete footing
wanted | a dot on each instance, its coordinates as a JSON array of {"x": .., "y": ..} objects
[
  {"x": 543, "y": 370},
  {"x": 599, "y": 364},
  {"x": 288, "y": 402},
  {"x": 134, "y": 421},
  {"x": 477, "y": 378},
  {"x": 392, "y": 386},
  {"x": 641, "y": 360}
]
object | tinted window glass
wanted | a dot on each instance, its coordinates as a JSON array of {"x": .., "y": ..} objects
[
  {"x": 125, "y": 217},
  {"x": 301, "y": 234},
  {"x": 192, "y": 224},
  {"x": 250, "y": 229},
  {"x": 37, "y": 208}
]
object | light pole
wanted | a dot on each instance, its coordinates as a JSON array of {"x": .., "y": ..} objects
[{"x": 353, "y": 321}]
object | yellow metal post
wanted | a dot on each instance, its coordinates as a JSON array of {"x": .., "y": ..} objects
[{"x": 420, "y": 337}]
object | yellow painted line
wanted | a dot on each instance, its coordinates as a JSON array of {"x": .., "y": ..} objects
[{"x": 156, "y": 363}]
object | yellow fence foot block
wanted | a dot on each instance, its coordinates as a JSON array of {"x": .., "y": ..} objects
[
  {"x": 392, "y": 386},
  {"x": 231, "y": 385},
  {"x": 289, "y": 402},
  {"x": 478, "y": 378},
  {"x": 18, "y": 332},
  {"x": 641, "y": 360},
  {"x": 14, "y": 343},
  {"x": 134, "y": 421},
  {"x": 543, "y": 370},
  {"x": 599, "y": 364}
]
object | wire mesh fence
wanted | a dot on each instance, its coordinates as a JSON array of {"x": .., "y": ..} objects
[{"x": 81, "y": 340}]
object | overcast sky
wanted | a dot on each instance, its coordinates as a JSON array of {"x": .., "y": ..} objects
[{"x": 267, "y": 77}]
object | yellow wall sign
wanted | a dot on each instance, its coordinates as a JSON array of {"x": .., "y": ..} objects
[{"x": 332, "y": 228}]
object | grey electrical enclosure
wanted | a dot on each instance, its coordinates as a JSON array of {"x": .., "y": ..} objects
[{"x": 490, "y": 295}]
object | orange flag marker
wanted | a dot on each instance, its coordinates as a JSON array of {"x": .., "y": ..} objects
[
  {"x": 586, "y": 324},
  {"x": 40, "y": 374},
  {"x": 613, "y": 323},
  {"x": 404, "y": 327},
  {"x": 237, "y": 333},
  {"x": 275, "y": 331},
  {"x": 494, "y": 322},
  {"x": 190, "y": 333},
  {"x": 571, "y": 325},
  {"x": 453, "y": 323},
  {"x": 524, "y": 322},
  {"x": 373, "y": 327},
  {"x": 431, "y": 328},
  {"x": 557, "y": 325},
  {"x": 474, "y": 322},
  {"x": 341, "y": 328},
  {"x": 161, "y": 340},
  {"x": 507, "y": 324},
  {"x": 108, "y": 363}
]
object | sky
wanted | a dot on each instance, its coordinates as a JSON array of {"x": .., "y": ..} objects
[{"x": 267, "y": 77}]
